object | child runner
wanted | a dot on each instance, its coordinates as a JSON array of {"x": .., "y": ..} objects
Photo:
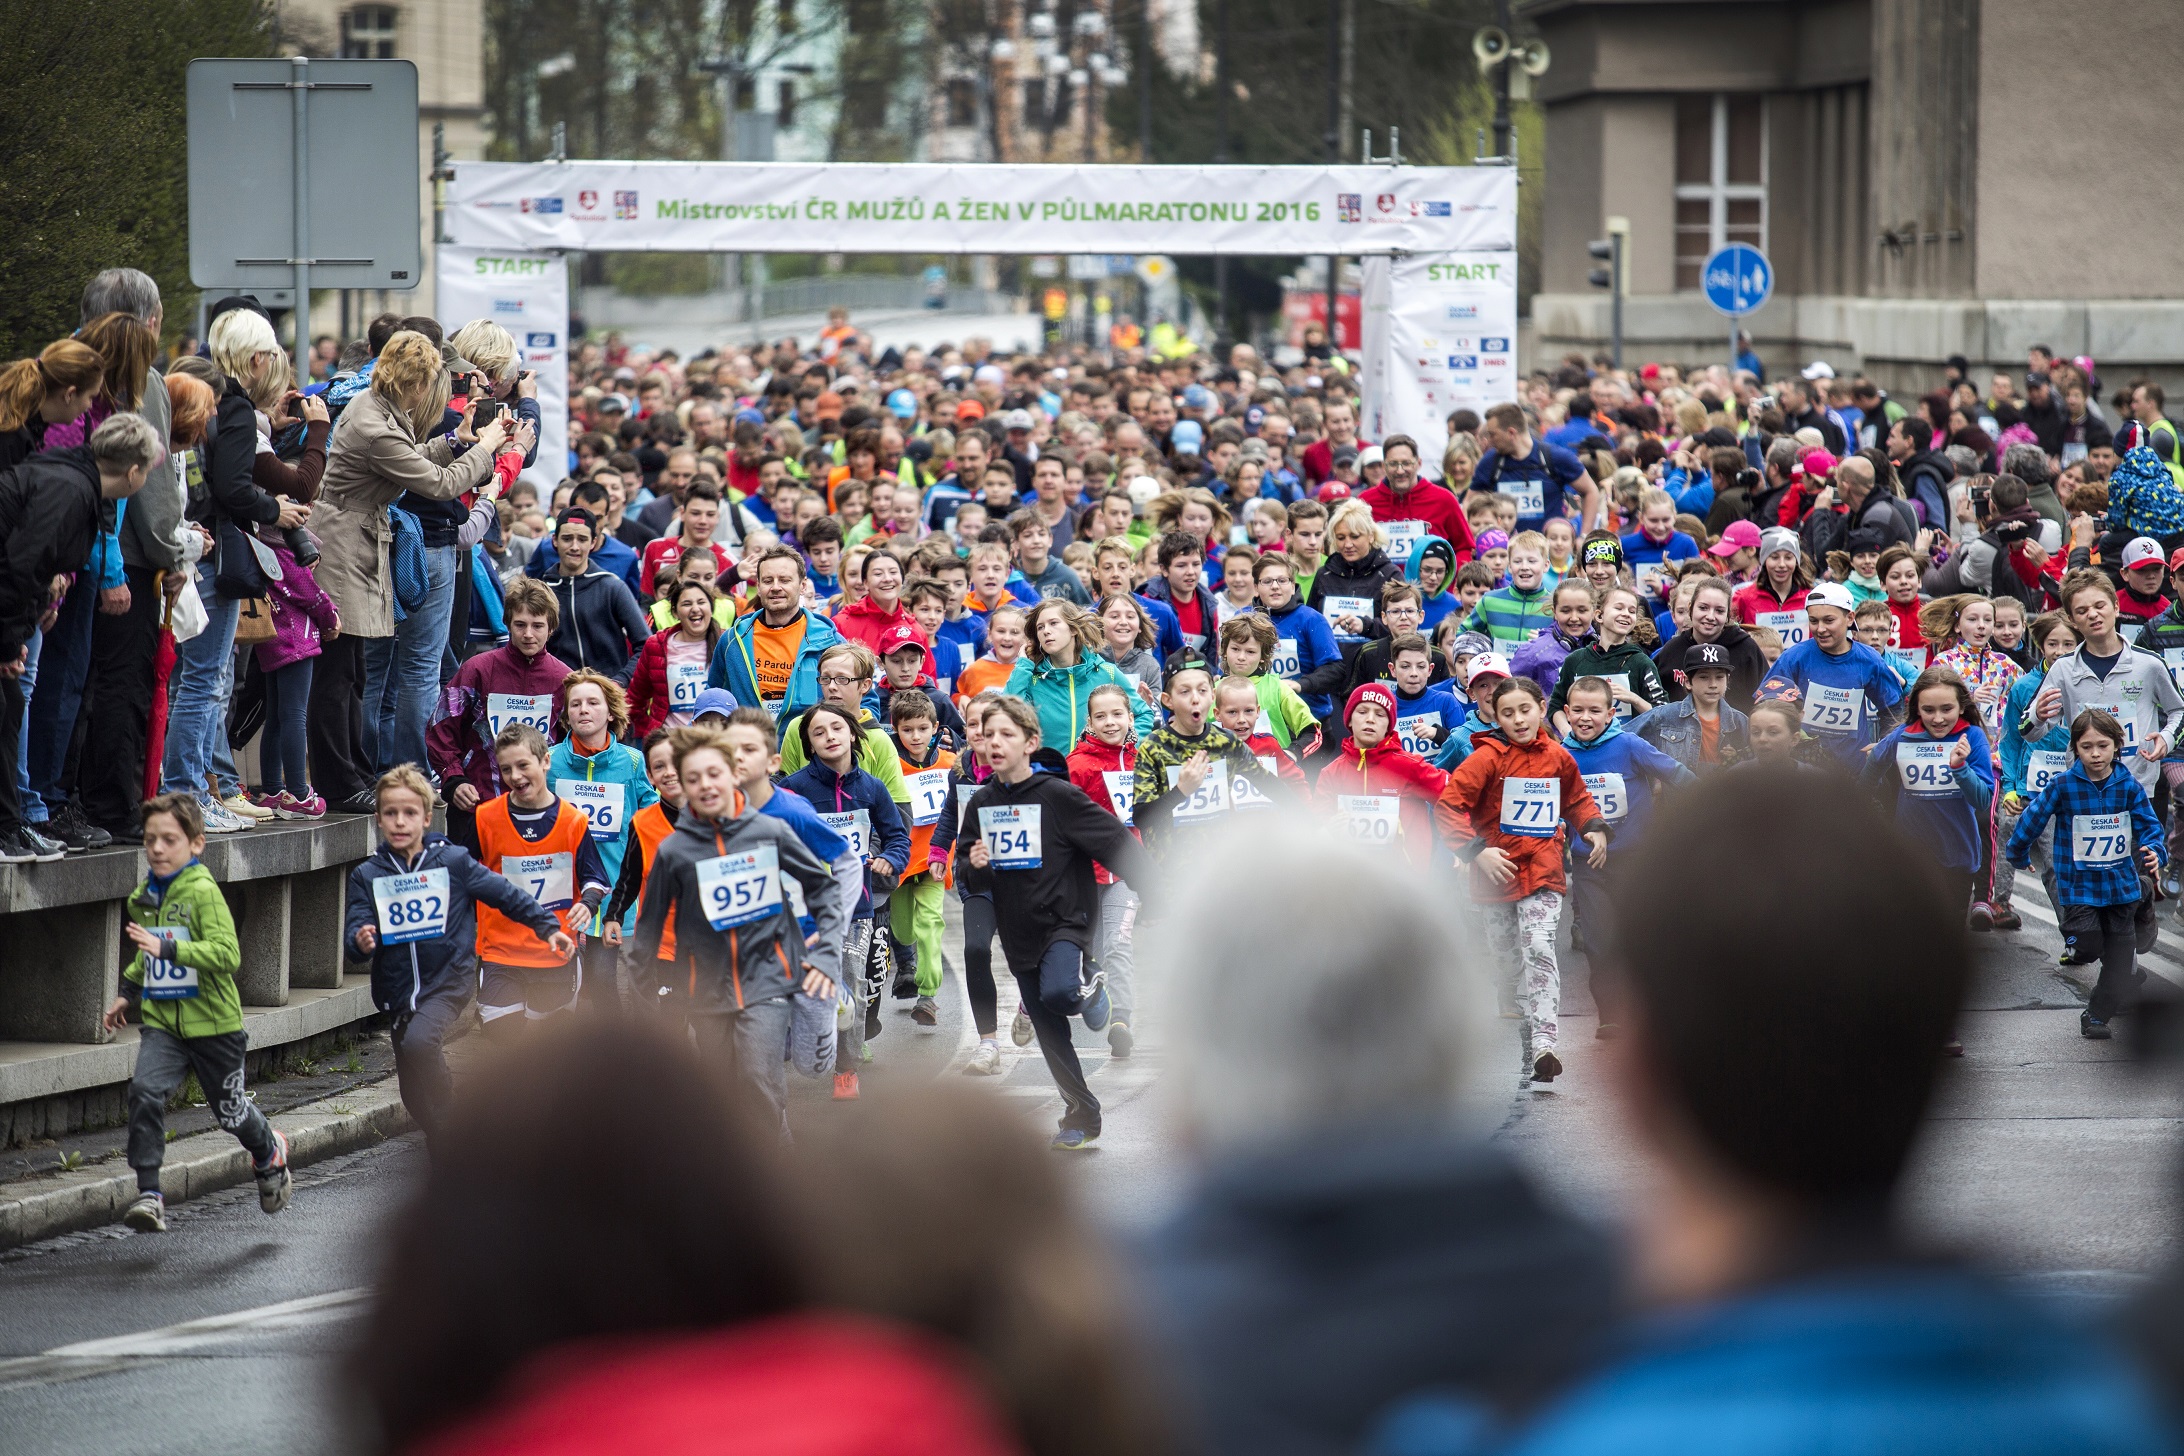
[
  {"x": 1187, "y": 767},
  {"x": 1773, "y": 736},
  {"x": 412, "y": 912},
  {"x": 1040, "y": 836},
  {"x": 1239, "y": 711},
  {"x": 519, "y": 682},
  {"x": 1960, "y": 629},
  {"x": 1700, "y": 731},
  {"x": 914, "y": 910},
  {"x": 595, "y": 770},
  {"x": 1541, "y": 658},
  {"x": 2010, "y": 623},
  {"x": 1102, "y": 764},
  {"x": 1426, "y": 712},
  {"x": 1776, "y": 597},
  {"x": 2102, "y": 816},
  {"x": 2134, "y": 688},
  {"x": 739, "y": 952},
  {"x": 1383, "y": 793},
  {"x": 902, "y": 669},
  {"x": 1842, "y": 686},
  {"x": 1504, "y": 810},
  {"x": 545, "y": 845},
  {"x": 671, "y": 667},
  {"x": 1486, "y": 672},
  {"x": 1248, "y": 645},
  {"x": 1939, "y": 771},
  {"x": 974, "y": 890},
  {"x": 1005, "y": 638},
  {"x": 1514, "y": 614},
  {"x": 1873, "y": 624},
  {"x": 1900, "y": 578},
  {"x": 1305, "y": 654},
  {"x": 2029, "y": 765},
  {"x": 183, "y": 979},
  {"x": 1613, "y": 657}
]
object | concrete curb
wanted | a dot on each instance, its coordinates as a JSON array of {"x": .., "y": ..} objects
[{"x": 39, "y": 1208}]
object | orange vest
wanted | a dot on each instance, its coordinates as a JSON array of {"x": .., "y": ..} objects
[
  {"x": 504, "y": 941},
  {"x": 921, "y": 835},
  {"x": 653, "y": 826}
]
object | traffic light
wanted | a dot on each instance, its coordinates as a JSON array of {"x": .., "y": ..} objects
[
  {"x": 1613, "y": 251},
  {"x": 1604, "y": 250}
]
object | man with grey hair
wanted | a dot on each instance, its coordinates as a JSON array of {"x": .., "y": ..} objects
[
  {"x": 2029, "y": 463},
  {"x": 125, "y": 633},
  {"x": 1350, "y": 1237}
]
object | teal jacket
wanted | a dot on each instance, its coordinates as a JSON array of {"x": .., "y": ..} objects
[
  {"x": 1060, "y": 696},
  {"x": 617, "y": 763},
  {"x": 735, "y": 666},
  {"x": 194, "y": 906}
]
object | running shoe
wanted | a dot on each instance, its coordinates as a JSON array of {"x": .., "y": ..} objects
[
  {"x": 926, "y": 1012},
  {"x": 2091, "y": 1027},
  {"x": 42, "y": 849},
  {"x": 75, "y": 831},
  {"x": 1073, "y": 1140},
  {"x": 906, "y": 984},
  {"x": 1546, "y": 1067},
  {"x": 985, "y": 1062},
  {"x": 1096, "y": 1008},
  {"x": 1020, "y": 1030},
  {"x": 219, "y": 819},
  {"x": 148, "y": 1214},
  {"x": 242, "y": 804},
  {"x": 1982, "y": 916},
  {"x": 845, "y": 1086},
  {"x": 2007, "y": 919},
  {"x": 871, "y": 1020},
  {"x": 288, "y": 806},
  {"x": 14, "y": 849},
  {"x": 274, "y": 1183},
  {"x": 1120, "y": 1043}
]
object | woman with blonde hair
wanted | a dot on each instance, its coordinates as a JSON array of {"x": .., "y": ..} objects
[
  {"x": 198, "y": 762},
  {"x": 51, "y": 388},
  {"x": 389, "y": 444}
]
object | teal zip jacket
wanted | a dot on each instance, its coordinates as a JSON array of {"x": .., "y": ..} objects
[
  {"x": 735, "y": 665},
  {"x": 194, "y": 906},
  {"x": 573, "y": 777},
  {"x": 1060, "y": 696}
]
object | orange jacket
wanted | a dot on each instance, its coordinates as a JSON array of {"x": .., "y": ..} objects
[
  {"x": 1386, "y": 769},
  {"x": 1473, "y": 813},
  {"x": 653, "y": 826},
  {"x": 501, "y": 940}
]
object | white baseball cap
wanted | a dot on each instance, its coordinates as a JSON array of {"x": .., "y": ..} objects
[
  {"x": 1486, "y": 664},
  {"x": 1818, "y": 369},
  {"x": 2143, "y": 551},
  {"x": 1835, "y": 594}
]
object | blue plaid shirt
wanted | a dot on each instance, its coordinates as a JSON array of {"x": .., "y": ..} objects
[{"x": 2112, "y": 881}]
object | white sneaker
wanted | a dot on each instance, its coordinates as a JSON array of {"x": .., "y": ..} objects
[
  {"x": 219, "y": 819},
  {"x": 985, "y": 1062},
  {"x": 238, "y": 803}
]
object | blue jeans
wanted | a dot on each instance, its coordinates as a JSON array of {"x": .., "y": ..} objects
[
  {"x": 287, "y": 709},
  {"x": 402, "y": 673},
  {"x": 28, "y": 682},
  {"x": 64, "y": 663},
  {"x": 204, "y": 674}
]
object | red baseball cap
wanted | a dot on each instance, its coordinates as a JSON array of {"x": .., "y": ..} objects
[{"x": 896, "y": 639}]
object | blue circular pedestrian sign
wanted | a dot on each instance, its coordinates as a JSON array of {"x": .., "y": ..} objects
[{"x": 1737, "y": 279}]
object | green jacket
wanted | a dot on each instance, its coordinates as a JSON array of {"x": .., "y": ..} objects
[
  {"x": 193, "y": 902},
  {"x": 875, "y": 753},
  {"x": 1593, "y": 660},
  {"x": 1286, "y": 713}
]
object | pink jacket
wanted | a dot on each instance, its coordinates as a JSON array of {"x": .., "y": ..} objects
[{"x": 301, "y": 610}]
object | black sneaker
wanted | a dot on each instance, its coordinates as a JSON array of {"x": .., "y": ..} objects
[
  {"x": 128, "y": 836},
  {"x": 14, "y": 849},
  {"x": 2091, "y": 1027},
  {"x": 366, "y": 802},
  {"x": 76, "y": 833},
  {"x": 871, "y": 1020},
  {"x": 42, "y": 849}
]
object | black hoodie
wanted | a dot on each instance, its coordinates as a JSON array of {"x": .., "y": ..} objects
[
  {"x": 1747, "y": 670},
  {"x": 1058, "y": 900}
]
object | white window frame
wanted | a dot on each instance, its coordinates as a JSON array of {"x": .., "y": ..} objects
[
  {"x": 1718, "y": 191},
  {"x": 370, "y": 40}
]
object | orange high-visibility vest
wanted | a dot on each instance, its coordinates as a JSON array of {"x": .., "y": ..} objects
[{"x": 501, "y": 940}]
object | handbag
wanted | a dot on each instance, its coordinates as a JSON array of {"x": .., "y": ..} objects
[
  {"x": 253, "y": 621},
  {"x": 245, "y": 564}
]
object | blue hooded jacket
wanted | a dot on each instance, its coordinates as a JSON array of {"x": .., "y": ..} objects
[
  {"x": 832, "y": 793},
  {"x": 1621, "y": 773},
  {"x": 1316, "y": 650},
  {"x": 1945, "y": 811},
  {"x": 1443, "y": 602},
  {"x": 404, "y": 975},
  {"x": 735, "y": 666}
]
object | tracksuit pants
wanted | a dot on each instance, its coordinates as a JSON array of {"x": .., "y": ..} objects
[
  {"x": 1052, "y": 992},
  {"x": 163, "y": 1060}
]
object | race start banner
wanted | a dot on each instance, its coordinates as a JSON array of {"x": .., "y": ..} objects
[
  {"x": 528, "y": 295},
  {"x": 847, "y": 207},
  {"x": 1440, "y": 335}
]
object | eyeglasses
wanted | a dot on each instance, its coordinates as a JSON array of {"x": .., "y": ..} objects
[{"x": 837, "y": 680}]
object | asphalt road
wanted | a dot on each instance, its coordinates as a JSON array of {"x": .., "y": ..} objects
[{"x": 2051, "y": 1156}]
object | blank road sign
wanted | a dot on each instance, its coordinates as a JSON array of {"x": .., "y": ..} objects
[{"x": 362, "y": 170}]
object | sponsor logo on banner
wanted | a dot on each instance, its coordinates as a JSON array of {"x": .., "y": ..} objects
[
  {"x": 587, "y": 206},
  {"x": 1385, "y": 202},
  {"x": 508, "y": 305},
  {"x": 536, "y": 340},
  {"x": 1349, "y": 207},
  {"x": 1463, "y": 361},
  {"x": 1496, "y": 361},
  {"x": 1429, "y": 209},
  {"x": 1493, "y": 346},
  {"x": 625, "y": 206},
  {"x": 542, "y": 205},
  {"x": 485, "y": 206},
  {"x": 1462, "y": 313}
]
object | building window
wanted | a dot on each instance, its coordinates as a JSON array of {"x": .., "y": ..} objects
[
  {"x": 367, "y": 33},
  {"x": 962, "y": 103},
  {"x": 1721, "y": 178},
  {"x": 785, "y": 112}
]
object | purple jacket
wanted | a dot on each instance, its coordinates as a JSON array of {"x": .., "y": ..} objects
[
  {"x": 301, "y": 610},
  {"x": 1541, "y": 658}
]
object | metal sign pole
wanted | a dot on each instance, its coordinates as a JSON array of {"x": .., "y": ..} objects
[{"x": 301, "y": 89}]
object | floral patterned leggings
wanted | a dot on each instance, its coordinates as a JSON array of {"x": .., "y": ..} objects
[{"x": 1520, "y": 934}]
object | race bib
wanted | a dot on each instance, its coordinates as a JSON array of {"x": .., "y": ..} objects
[
  {"x": 1209, "y": 801},
  {"x": 2127, "y": 716},
  {"x": 1417, "y": 733},
  {"x": 171, "y": 980},
  {"x": 1373, "y": 818},
  {"x": 1618, "y": 682},
  {"x": 602, "y": 805},
  {"x": 411, "y": 907},
  {"x": 855, "y": 825},
  {"x": 1924, "y": 769},
  {"x": 966, "y": 653},
  {"x": 1011, "y": 832},
  {"x": 1530, "y": 496},
  {"x": 772, "y": 705},
  {"x": 737, "y": 889},
  {"x": 1245, "y": 793},
  {"x": 1358, "y": 607},
  {"x": 1531, "y": 807},
  {"x": 1287, "y": 661},
  {"x": 1121, "y": 793},
  {"x": 2174, "y": 656},
  {"x": 1650, "y": 575},
  {"x": 1909, "y": 662},
  {"x": 1833, "y": 710},
  {"x": 963, "y": 794},
  {"x": 685, "y": 680},
  {"x": 2098, "y": 839},
  {"x": 504, "y": 709},
  {"x": 928, "y": 795},
  {"x": 549, "y": 879},
  {"x": 1794, "y": 627},
  {"x": 1403, "y": 538},
  {"x": 2044, "y": 767},
  {"x": 1609, "y": 795}
]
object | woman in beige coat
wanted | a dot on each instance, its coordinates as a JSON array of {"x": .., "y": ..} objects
[{"x": 386, "y": 444}]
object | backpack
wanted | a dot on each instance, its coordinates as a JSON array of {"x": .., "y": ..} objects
[{"x": 406, "y": 559}]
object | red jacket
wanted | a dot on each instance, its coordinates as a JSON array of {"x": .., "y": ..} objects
[
  {"x": 861, "y": 621},
  {"x": 1265, "y": 748},
  {"x": 1433, "y": 504},
  {"x": 1473, "y": 811},
  {"x": 459, "y": 744},
  {"x": 1905, "y": 635},
  {"x": 754, "y": 1389},
  {"x": 666, "y": 552},
  {"x": 1386, "y": 769},
  {"x": 648, "y": 696},
  {"x": 1089, "y": 763}
]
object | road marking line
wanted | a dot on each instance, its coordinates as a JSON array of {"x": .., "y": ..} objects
[{"x": 118, "y": 1352}]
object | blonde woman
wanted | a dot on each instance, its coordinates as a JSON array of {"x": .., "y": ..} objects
[
  {"x": 198, "y": 761},
  {"x": 389, "y": 443},
  {"x": 1346, "y": 588}
]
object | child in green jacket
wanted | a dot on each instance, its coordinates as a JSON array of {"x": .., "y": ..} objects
[{"x": 192, "y": 1013}]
